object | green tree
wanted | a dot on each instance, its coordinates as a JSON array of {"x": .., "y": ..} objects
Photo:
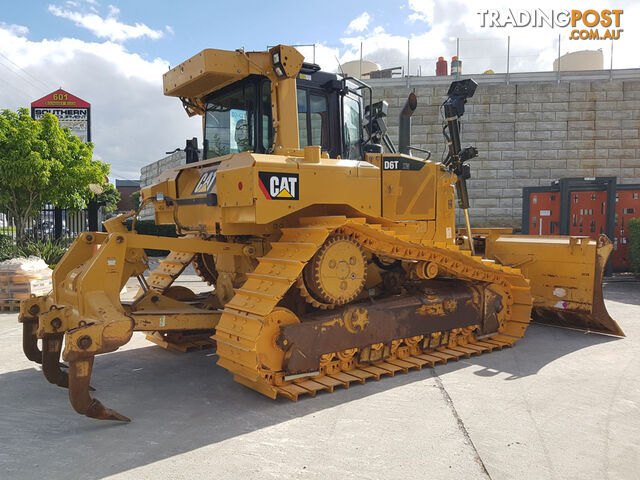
[
  {"x": 109, "y": 198},
  {"x": 135, "y": 199},
  {"x": 42, "y": 163}
]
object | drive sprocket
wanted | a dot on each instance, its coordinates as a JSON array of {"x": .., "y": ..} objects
[{"x": 337, "y": 272}]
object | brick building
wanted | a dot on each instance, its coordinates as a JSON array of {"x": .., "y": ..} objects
[{"x": 126, "y": 188}]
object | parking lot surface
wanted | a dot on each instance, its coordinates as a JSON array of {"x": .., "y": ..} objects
[{"x": 561, "y": 404}]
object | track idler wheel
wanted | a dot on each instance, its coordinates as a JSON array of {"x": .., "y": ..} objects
[{"x": 270, "y": 347}]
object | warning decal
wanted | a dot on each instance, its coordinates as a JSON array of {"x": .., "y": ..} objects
[
  {"x": 401, "y": 163},
  {"x": 279, "y": 186}
]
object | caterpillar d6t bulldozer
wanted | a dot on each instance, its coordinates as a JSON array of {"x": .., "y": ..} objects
[{"x": 333, "y": 258}]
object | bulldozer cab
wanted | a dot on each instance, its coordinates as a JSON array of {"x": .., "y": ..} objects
[
  {"x": 239, "y": 117},
  {"x": 329, "y": 112}
]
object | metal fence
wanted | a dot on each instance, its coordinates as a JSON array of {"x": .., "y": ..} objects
[
  {"x": 54, "y": 223},
  {"x": 481, "y": 53}
]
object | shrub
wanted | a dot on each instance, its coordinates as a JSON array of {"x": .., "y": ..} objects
[
  {"x": 149, "y": 227},
  {"x": 8, "y": 248},
  {"x": 51, "y": 251},
  {"x": 634, "y": 244}
]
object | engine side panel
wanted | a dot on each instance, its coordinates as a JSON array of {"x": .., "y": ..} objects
[{"x": 408, "y": 188}]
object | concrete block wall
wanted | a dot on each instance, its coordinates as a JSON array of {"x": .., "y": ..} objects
[
  {"x": 149, "y": 173},
  {"x": 529, "y": 132}
]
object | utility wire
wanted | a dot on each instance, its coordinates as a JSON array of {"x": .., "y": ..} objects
[
  {"x": 17, "y": 89},
  {"x": 38, "y": 88},
  {"x": 46, "y": 86}
]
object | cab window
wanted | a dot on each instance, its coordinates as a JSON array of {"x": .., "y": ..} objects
[
  {"x": 313, "y": 119},
  {"x": 302, "y": 117},
  {"x": 352, "y": 128},
  {"x": 319, "y": 120},
  {"x": 230, "y": 121}
]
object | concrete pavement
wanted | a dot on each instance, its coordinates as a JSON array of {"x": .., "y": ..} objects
[{"x": 561, "y": 404}]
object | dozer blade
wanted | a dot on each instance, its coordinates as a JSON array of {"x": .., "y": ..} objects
[{"x": 565, "y": 274}]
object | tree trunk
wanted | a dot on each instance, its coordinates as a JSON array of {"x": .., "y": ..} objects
[
  {"x": 20, "y": 229},
  {"x": 21, "y": 212},
  {"x": 21, "y": 221}
]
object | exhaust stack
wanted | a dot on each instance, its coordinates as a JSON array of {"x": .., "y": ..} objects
[{"x": 404, "y": 140}]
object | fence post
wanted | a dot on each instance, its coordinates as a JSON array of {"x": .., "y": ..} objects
[
  {"x": 92, "y": 210},
  {"x": 57, "y": 223},
  {"x": 558, "y": 58},
  {"x": 508, "y": 55},
  {"x": 408, "y": 64},
  {"x": 611, "y": 66}
]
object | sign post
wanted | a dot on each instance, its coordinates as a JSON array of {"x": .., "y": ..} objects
[{"x": 75, "y": 114}]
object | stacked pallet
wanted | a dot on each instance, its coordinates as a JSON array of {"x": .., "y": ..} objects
[{"x": 20, "y": 278}]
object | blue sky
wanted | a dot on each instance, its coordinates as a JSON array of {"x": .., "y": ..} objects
[
  {"x": 215, "y": 23},
  {"x": 113, "y": 53}
]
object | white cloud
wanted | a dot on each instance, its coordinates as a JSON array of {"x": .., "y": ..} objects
[
  {"x": 359, "y": 23},
  {"x": 14, "y": 29},
  {"x": 109, "y": 27},
  {"x": 532, "y": 49},
  {"x": 422, "y": 11},
  {"x": 324, "y": 56},
  {"x": 132, "y": 122}
]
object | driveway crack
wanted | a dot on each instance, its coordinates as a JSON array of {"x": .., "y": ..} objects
[{"x": 461, "y": 426}]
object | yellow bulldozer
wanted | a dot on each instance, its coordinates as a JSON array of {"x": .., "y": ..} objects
[{"x": 333, "y": 257}]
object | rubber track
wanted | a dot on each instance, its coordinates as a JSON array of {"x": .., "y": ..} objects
[{"x": 240, "y": 325}]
